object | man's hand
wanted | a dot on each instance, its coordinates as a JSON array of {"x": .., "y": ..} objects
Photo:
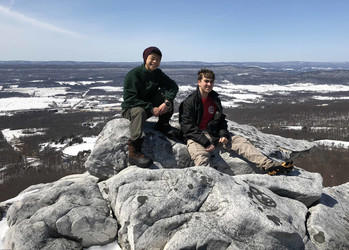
[
  {"x": 210, "y": 148},
  {"x": 156, "y": 111},
  {"x": 223, "y": 140},
  {"x": 163, "y": 108}
]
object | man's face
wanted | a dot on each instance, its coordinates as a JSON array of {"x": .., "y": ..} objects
[
  {"x": 152, "y": 62},
  {"x": 205, "y": 85}
]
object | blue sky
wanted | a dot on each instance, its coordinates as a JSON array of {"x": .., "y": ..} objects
[{"x": 184, "y": 30}]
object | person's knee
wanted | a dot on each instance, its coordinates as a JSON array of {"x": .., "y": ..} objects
[
  {"x": 139, "y": 111},
  {"x": 238, "y": 139},
  {"x": 202, "y": 159},
  {"x": 198, "y": 153}
]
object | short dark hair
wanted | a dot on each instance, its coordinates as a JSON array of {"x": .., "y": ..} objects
[{"x": 207, "y": 73}]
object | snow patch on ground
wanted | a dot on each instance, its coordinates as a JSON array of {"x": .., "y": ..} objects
[
  {"x": 72, "y": 83},
  {"x": 39, "y": 92},
  {"x": 333, "y": 144},
  {"x": 109, "y": 88},
  {"x": 29, "y": 103},
  {"x": 87, "y": 144},
  {"x": 293, "y": 127},
  {"x": 13, "y": 136}
]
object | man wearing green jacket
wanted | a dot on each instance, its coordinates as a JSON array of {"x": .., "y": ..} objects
[{"x": 147, "y": 92}]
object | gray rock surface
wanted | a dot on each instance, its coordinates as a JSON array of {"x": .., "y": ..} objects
[
  {"x": 110, "y": 153},
  {"x": 299, "y": 185},
  {"x": 200, "y": 208},
  {"x": 328, "y": 223},
  {"x": 68, "y": 214}
]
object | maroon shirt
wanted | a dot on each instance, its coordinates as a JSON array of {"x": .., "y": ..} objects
[{"x": 210, "y": 109}]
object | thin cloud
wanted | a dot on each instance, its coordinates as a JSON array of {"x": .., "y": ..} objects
[
  {"x": 8, "y": 3},
  {"x": 18, "y": 16}
]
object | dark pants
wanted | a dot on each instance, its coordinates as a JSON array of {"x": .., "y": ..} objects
[{"x": 138, "y": 116}]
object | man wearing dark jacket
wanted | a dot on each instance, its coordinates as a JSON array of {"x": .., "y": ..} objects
[
  {"x": 204, "y": 126},
  {"x": 147, "y": 92}
]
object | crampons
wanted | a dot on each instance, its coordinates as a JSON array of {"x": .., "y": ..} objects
[{"x": 285, "y": 168}]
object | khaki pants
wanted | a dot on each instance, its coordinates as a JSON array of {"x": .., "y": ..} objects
[
  {"x": 138, "y": 117},
  {"x": 238, "y": 144}
]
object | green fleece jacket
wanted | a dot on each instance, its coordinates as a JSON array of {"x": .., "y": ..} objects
[{"x": 140, "y": 85}]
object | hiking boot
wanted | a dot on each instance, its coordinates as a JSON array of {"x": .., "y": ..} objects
[
  {"x": 285, "y": 168},
  {"x": 135, "y": 155}
]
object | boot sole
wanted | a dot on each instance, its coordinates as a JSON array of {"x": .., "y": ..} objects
[{"x": 140, "y": 165}]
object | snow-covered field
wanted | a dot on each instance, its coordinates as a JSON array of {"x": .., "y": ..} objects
[
  {"x": 84, "y": 82},
  {"x": 232, "y": 95},
  {"x": 253, "y": 93},
  {"x": 37, "y": 98},
  {"x": 12, "y": 137},
  {"x": 73, "y": 150},
  {"x": 333, "y": 143},
  {"x": 30, "y": 103}
]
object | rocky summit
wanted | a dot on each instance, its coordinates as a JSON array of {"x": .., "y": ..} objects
[
  {"x": 175, "y": 205},
  {"x": 109, "y": 155}
]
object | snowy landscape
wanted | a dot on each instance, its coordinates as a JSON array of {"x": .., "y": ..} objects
[
  {"x": 52, "y": 113},
  {"x": 233, "y": 95},
  {"x": 36, "y": 97}
]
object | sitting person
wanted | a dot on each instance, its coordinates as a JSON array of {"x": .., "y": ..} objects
[
  {"x": 204, "y": 126},
  {"x": 147, "y": 92}
]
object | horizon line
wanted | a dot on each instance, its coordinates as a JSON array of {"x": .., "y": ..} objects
[{"x": 173, "y": 61}]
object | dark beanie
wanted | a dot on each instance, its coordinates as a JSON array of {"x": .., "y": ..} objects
[{"x": 150, "y": 50}]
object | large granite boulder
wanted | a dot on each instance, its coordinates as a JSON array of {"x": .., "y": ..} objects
[
  {"x": 68, "y": 214},
  {"x": 110, "y": 153},
  {"x": 328, "y": 223},
  {"x": 201, "y": 208}
]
